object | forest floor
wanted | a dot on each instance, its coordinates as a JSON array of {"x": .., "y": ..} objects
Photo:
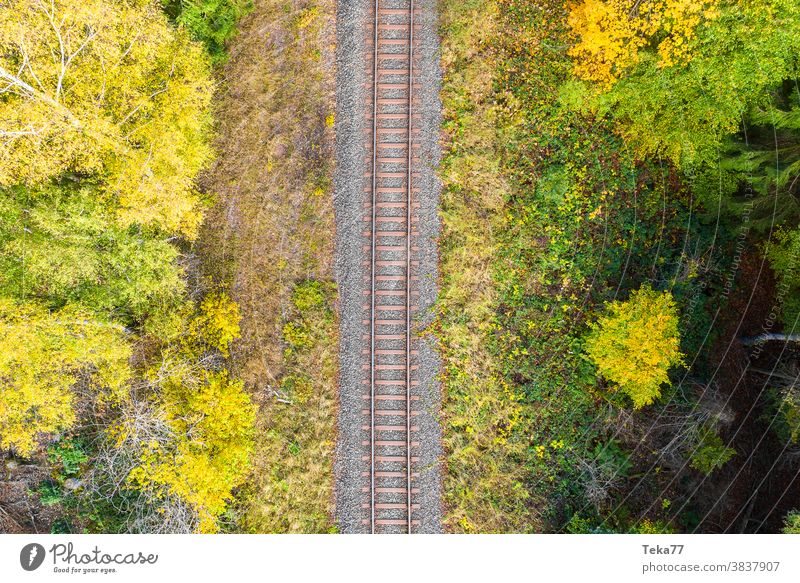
[
  {"x": 760, "y": 485},
  {"x": 21, "y": 509},
  {"x": 269, "y": 239}
]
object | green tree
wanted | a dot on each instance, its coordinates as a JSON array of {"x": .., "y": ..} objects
[
  {"x": 44, "y": 358},
  {"x": 686, "y": 109},
  {"x": 62, "y": 245},
  {"x": 792, "y": 523},
  {"x": 211, "y": 22},
  {"x": 783, "y": 253},
  {"x": 766, "y": 155},
  {"x": 710, "y": 452},
  {"x": 108, "y": 88},
  {"x": 636, "y": 343}
]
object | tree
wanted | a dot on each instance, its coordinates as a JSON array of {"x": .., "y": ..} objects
[
  {"x": 789, "y": 411},
  {"x": 105, "y": 88},
  {"x": 211, "y": 22},
  {"x": 208, "y": 453},
  {"x": 46, "y": 359},
  {"x": 62, "y": 245},
  {"x": 684, "y": 105},
  {"x": 183, "y": 442},
  {"x": 782, "y": 252},
  {"x": 710, "y": 452},
  {"x": 612, "y": 33},
  {"x": 636, "y": 343},
  {"x": 783, "y": 392},
  {"x": 766, "y": 155}
]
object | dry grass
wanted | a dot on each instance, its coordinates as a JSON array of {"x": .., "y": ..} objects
[
  {"x": 483, "y": 483},
  {"x": 271, "y": 228}
]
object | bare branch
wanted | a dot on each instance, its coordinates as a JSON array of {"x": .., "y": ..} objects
[
  {"x": 29, "y": 131},
  {"x": 32, "y": 93}
]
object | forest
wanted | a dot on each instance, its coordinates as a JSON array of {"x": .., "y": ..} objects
[
  {"x": 114, "y": 346},
  {"x": 619, "y": 265},
  {"x": 122, "y": 406}
]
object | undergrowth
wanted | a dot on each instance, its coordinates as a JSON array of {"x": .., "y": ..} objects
[
  {"x": 546, "y": 216},
  {"x": 296, "y": 443},
  {"x": 269, "y": 238}
]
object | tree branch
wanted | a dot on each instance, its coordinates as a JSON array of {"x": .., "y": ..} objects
[
  {"x": 33, "y": 93},
  {"x": 753, "y": 340}
]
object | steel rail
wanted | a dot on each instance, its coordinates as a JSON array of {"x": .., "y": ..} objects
[
  {"x": 408, "y": 261},
  {"x": 372, "y": 273}
]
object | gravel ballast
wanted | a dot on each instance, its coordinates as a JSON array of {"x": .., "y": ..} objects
[{"x": 353, "y": 98}]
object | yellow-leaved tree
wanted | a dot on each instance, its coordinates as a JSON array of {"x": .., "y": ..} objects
[
  {"x": 106, "y": 88},
  {"x": 189, "y": 445},
  {"x": 213, "y": 424},
  {"x": 217, "y": 323},
  {"x": 636, "y": 343},
  {"x": 46, "y": 360},
  {"x": 611, "y": 33}
]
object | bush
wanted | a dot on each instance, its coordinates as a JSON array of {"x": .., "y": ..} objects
[
  {"x": 711, "y": 452},
  {"x": 636, "y": 344},
  {"x": 211, "y": 22},
  {"x": 50, "y": 493},
  {"x": 68, "y": 455},
  {"x": 792, "y": 523},
  {"x": 216, "y": 325}
]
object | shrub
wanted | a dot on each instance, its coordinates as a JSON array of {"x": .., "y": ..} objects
[
  {"x": 216, "y": 325},
  {"x": 711, "y": 452},
  {"x": 792, "y": 523},
  {"x": 68, "y": 455},
  {"x": 636, "y": 344},
  {"x": 50, "y": 493},
  {"x": 211, "y": 22}
]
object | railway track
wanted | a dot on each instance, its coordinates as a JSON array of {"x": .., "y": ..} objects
[{"x": 391, "y": 298}]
